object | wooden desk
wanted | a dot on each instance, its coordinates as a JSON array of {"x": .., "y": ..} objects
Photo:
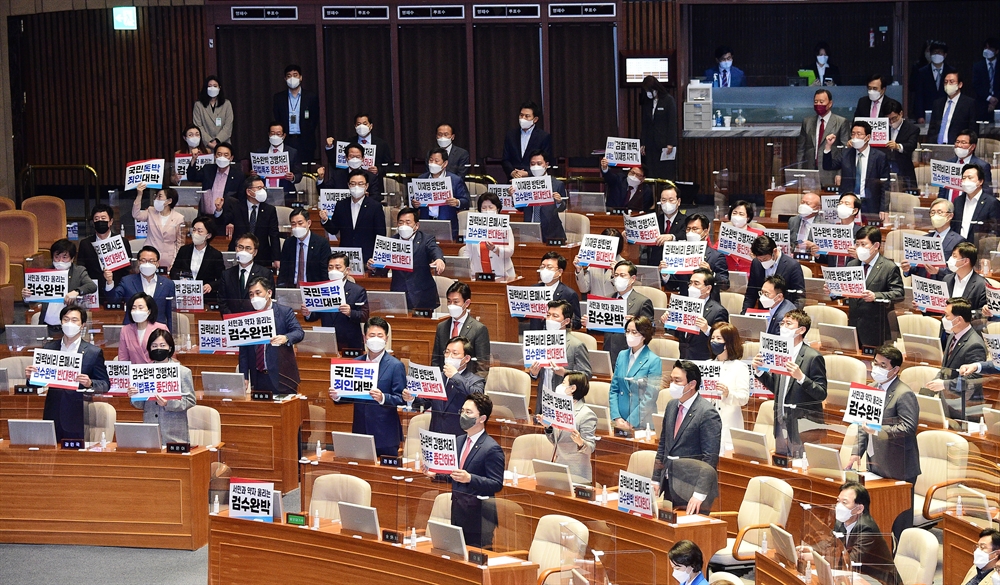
[
  {"x": 144, "y": 500},
  {"x": 243, "y": 551},
  {"x": 960, "y": 538},
  {"x": 773, "y": 570}
]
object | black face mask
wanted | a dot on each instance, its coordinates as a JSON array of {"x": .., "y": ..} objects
[
  {"x": 102, "y": 226},
  {"x": 159, "y": 355},
  {"x": 467, "y": 422}
]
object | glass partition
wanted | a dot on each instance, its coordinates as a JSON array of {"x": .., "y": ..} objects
[{"x": 787, "y": 105}]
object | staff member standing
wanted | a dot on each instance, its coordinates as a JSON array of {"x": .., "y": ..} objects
[
  {"x": 297, "y": 110},
  {"x": 658, "y": 138}
]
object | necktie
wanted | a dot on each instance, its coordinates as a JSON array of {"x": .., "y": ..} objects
[
  {"x": 820, "y": 139},
  {"x": 261, "y": 366},
  {"x": 937, "y": 77},
  {"x": 454, "y": 329},
  {"x": 944, "y": 123},
  {"x": 951, "y": 346},
  {"x": 867, "y": 268},
  {"x": 302, "y": 262},
  {"x": 992, "y": 73},
  {"x": 725, "y": 78},
  {"x": 628, "y": 195},
  {"x": 465, "y": 452},
  {"x": 857, "y": 175},
  {"x": 666, "y": 225},
  {"x": 874, "y": 113},
  {"x": 961, "y": 161},
  {"x": 680, "y": 419},
  {"x": 253, "y": 218},
  {"x": 484, "y": 258},
  {"x": 243, "y": 280}
]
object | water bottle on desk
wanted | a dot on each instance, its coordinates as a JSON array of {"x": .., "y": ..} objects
[
  {"x": 718, "y": 118},
  {"x": 715, "y": 80}
]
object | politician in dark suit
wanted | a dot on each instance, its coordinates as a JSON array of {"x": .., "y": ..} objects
[
  {"x": 883, "y": 289},
  {"x": 963, "y": 345},
  {"x": 219, "y": 180},
  {"x": 163, "y": 287},
  {"x": 929, "y": 82},
  {"x": 550, "y": 275},
  {"x": 694, "y": 346},
  {"x": 419, "y": 285},
  {"x": 65, "y": 407},
  {"x": 872, "y": 185},
  {"x": 377, "y": 415},
  {"x": 332, "y": 177},
  {"x": 276, "y": 140},
  {"x": 235, "y": 281},
  {"x": 671, "y": 222},
  {"x": 773, "y": 296},
  {"x": 78, "y": 284},
  {"x": 438, "y": 168},
  {"x": 967, "y": 141},
  {"x": 354, "y": 311},
  {"x": 636, "y": 305},
  {"x": 272, "y": 366},
  {"x": 809, "y": 152},
  {"x": 985, "y": 214},
  {"x": 460, "y": 380},
  {"x": 303, "y": 250},
  {"x": 861, "y": 537},
  {"x": 363, "y": 127},
  {"x": 248, "y": 214},
  {"x": 297, "y": 110},
  {"x": 627, "y": 190},
  {"x": 459, "y": 158},
  {"x": 765, "y": 251},
  {"x": 699, "y": 227},
  {"x": 903, "y": 137},
  {"x": 357, "y": 219},
  {"x": 547, "y": 215},
  {"x": 804, "y": 388},
  {"x": 692, "y": 429},
  {"x": 521, "y": 142},
  {"x": 560, "y": 315},
  {"x": 942, "y": 212},
  {"x": 659, "y": 128},
  {"x": 199, "y": 260},
  {"x": 952, "y": 113},
  {"x": 965, "y": 282},
  {"x": 986, "y": 80},
  {"x": 461, "y": 324},
  {"x": 876, "y": 95},
  {"x": 101, "y": 216}
]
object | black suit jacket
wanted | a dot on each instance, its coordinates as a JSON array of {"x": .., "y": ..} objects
[
  {"x": 694, "y": 346},
  {"x": 294, "y": 164},
  {"x": 984, "y": 218},
  {"x": 864, "y": 107},
  {"x": 561, "y": 293},
  {"x": 445, "y": 414},
  {"x": 349, "y": 335},
  {"x": 233, "y": 298},
  {"x": 616, "y": 193},
  {"x": 789, "y": 269},
  {"x": 981, "y": 84},
  {"x": 419, "y": 285},
  {"x": 208, "y": 173},
  {"x": 317, "y": 257},
  {"x": 485, "y": 463},
  {"x": 963, "y": 117},
  {"x": 282, "y": 375},
  {"x": 679, "y": 230},
  {"x": 237, "y": 213},
  {"x": 970, "y": 349},
  {"x": 65, "y": 407},
  {"x": 338, "y": 178},
  {"x": 87, "y": 257},
  {"x": 512, "y": 157},
  {"x": 308, "y": 118},
  {"x": 383, "y": 151},
  {"x": 901, "y": 163},
  {"x": 807, "y": 395},
  {"x": 212, "y": 266},
  {"x": 458, "y": 161},
  {"x": 876, "y": 196},
  {"x": 371, "y": 223},
  {"x": 866, "y": 545},
  {"x": 698, "y": 437},
  {"x": 832, "y": 73},
  {"x": 658, "y": 131},
  {"x": 474, "y": 331},
  {"x": 926, "y": 90},
  {"x": 975, "y": 291},
  {"x": 872, "y": 319},
  {"x": 548, "y": 215}
]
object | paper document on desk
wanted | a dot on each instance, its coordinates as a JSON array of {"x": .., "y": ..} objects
[{"x": 869, "y": 476}]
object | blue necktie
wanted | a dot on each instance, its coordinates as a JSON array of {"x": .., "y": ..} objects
[
  {"x": 857, "y": 176},
  {"x": 944, "y": 124}
]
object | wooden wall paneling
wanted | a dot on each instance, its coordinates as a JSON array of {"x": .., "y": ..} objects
[
  {"x": 645, "y": 26},
  {"x": 748, "y": 160}
]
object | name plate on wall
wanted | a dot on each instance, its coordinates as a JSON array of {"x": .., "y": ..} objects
[
  {"x": 355, "y": 13},
  {"x": 581, "y": 10},
  {"x": 506, "y": 11},
  {"x": 433, "y": 12},
  {"x": 264, "y": 12}
]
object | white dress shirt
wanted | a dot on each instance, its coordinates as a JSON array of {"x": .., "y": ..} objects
[
  {"x": 960, "y": 283},
  {"x": 73, "y": 347},
  {"x": 525, "y": 137},
  {"x": 971, "y": 201},
  {"x": 197, "y": 256},
  {"x": 862, "y": 168},
  {"x": 148, "y": 285}
]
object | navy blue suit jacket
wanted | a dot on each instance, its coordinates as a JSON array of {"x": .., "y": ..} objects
[
  {"x": 382, "y": 420},
  {"x": 282, "y": 376},
  {"x": 788, "y": 268},
  {"x": 981, "y": 83},
  {"x": 616, "y": 193},
  {"x": 445, "y": 414},
  {"x": 774, "y": 326},
  {"x": 927, "y": 92},
  {"x": 348, "y": 328},
  {"x": 984, "y": 218},
  {"x": 562, "y": 293},
  {"x": 876, "y": 196},
  {"x": 548, "y": 215},
  {"x": 65, "y": 407},
  {"x": 512, "y": 157},
  {"x": 164, "y": 297},
  {"x": 736, "y": 76},
  {"x": 694, "y": 346},
  {"x": 447, "y": 212},
  {"x": 987, "y": 176},
  {"x": 963, "y": 117},
  {"x": 371, "y": 223},
  {"x": 419, "y": 285}
]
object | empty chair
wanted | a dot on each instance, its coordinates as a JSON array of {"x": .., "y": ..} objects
[
  {"x": 589, "y": 341},
  {"x": 916, "y": 377},
  {"x": 463, "y": 221},
  {"x": 902, "y": 202},
  {"x": 331, "y": 489},
  {"x": 99, "y": 418},
  {"x": 6, "y": 204},
  {"x": 576, "y": 224},
  {"x": 765, "y": 422},
  {"x": 283, "y": 213},
  {"x": 317, "y": 424},
  {"x": 411, "y": 448},
  {"x": 943, "y": 456},
  {"x": 847, "y": 447},
  {"x": 916, "y": 556},
  {"x": 931, "y": 412},
  {"x": 641, "y": 462},
  {"x": 598, "y": 394},
  {"x": 528, "y": 447},
  {"x": 845, "y": 369},
  {"x": 787, "y": 204},
  {"x": 441, "y": 511},
  {"x": 657, "y": 296},
  {"x": 15, "y": 367},
  {"x": 559, "y": 541},
  {"x": 443, "y": 283},
  {"x": 188, "y": 213},
  {"x": 724, "y": 578},
  {"x": 919, "y": 325},
  {"x": 501, "y": 379},
  {"x": 204, "y": 426},
  {"x": 826, "y": 315},
  {"x": 767, "y": 501},
  {"x": 733, "y": 302},
  {"x": 665, "y": 348},
  {"x": 51, "y": 212},
  {"x": 19, "y": 230}
]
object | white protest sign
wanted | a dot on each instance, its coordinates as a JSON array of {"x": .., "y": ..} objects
[
  {"x": 487, "y": 227},
  {"x": 119, "y": 376},
  {"x": 141, "y": 229},
  {"x": 557, "y": 410},
  {"x": 56, "y": 369},
  {"x": 683, "y": 312},
  {"x": 323, "y": 297},
  {"x": 431, "y": 192},
  {"x": 597, "y": 251},
  {"x": 736, "y": 241},
  {"x": 929, "y": 295},
  {"x": 682, "y": 257},
  {"x": 622, "y": 152},
  {"x": 212, "y": 336},
  {"x": 503, "y": 194},
  {"x": 149, "y": 172},
  {"x": 532, "y": 191},
  {"x": 607, "y": 315},
  {"x": 775, "y": 353},
  {"x": 865, "y": 405},
  {"x": 46, "y": 285},
  {"x": 993, "y": 345},
  {"x": 635, "y": 494},
  {"x": 642, "y": 229},
  {"x": 369, "y": 159},
  {"x": 112, "y": 253},
  {"x": 252, "y": 328},
  {"x": 529, "y": 301},
  {"x": 711, "y": 376},
  {"x": 439, "y": 451},
  {"x": 833, "y": 240},
  {"x": 181, "y": 164},
  {"x": 341, "y": 150},
  {"x": 880, "y": 130},
  {"x": 251, "y": 498},
  {"x": 91, "y": 301},
  {"x": 393, "y": 253},
  {"x": 328, "y": 199},
  {"x": 993, "y": 299},
  {"x": 355, "y": 258},
  {"x": 846, "y": 282},
  {"x": 204, "y": 159},
  {"x": 425, "y": 382},
  {"x": 829, "y": 203},
  {"x": 162, "y": 379},
  {"x": 548, "y": 347},
  {"x": 353, "y": 379},
  {"x": 923, "y": 250},
  {"x": 783, "y": 238},
  {"x": 190, "y": 295},
  {"x": 270, "y": 164},
  {"x": 946, "y": 174}
]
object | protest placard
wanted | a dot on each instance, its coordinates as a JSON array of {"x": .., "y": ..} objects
[
  {"x": 251, "y": 498},
  {"x": 112, "y": 253},
  {"x": 503, "y": 194},
  {"x": 929, "y": 295},
  {"x": 736, "y": 241},
  {"x": 149, "y": 172},
  {"x": 120, "y": 377},
  {"x": 682, "y": 257},
  {"x": 783, "y": 238},
  {"x": 439, "y": 451},
  {"x": 529, "y": 301},
  {"x": 642, "y": 229},
  {"x": 622, "y": 152},
  {"x": 829, "y": 203},
  {"x": 251, "y": 328},
  {"x": 91, "y": 301},
  {"x": 328, "y": 199},
  {"x": 425, "y": 382},
  {"x": 353, "y": 379},
  {"x": 598, "y": 251},
  {"x": 190, "y": 295},
  {"x": 848, "y": 281},
  {"x": 880, "y": 131},
  {"x": 993, "y": 345},
  {"x": 181, "y": 164},
  {"x": 532, "y": 191},
  {"x": 993, "y": 299},
  {"x": 607, "y": 315},
  {"x": 865, "y": 405},
  {"x": 431, "y": 192},
  {"x": 323, "y": 297},
  {"x": 557, "y": 410},
  {"x": 212, "y": 336},
  {"x": 548, "y": 347},
  {"x": 270, "y": 164},
  {"x": 924, "y": 250},
  {"x": 833, "y": 240},
  {"x": 946, "y": 174},
  {"x": 162, "y": 379},
  {"x": 56, "y": 369},
  {"x": 635, "y": 494},
  {"x": 355, "y": 257},
  {"x": 141, "y": 229},
  {"x": 393, "y": 253},
  {"x": 46, "y": 285},
  {"x": 775, "y": 352},
  {"x": 711, "y": 376},
  {"x": 487, "y": 227},
  {"x": 683, "y": 312}
]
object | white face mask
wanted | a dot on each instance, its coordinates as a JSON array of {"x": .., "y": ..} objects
[
  {"x": 405, "y": 232},
  {"x": 198, "y": 239},
  {"x": 767, "y": 264},
  {"x": 633, "y": 181},
  {"x": 692, "y": 237},
  {"x": 948, "y": 324},
  {"x": 766, "y": 302},
  {"x": 879, "y": 374},
  {"x": 300, "y": 232},
  {"x": 362, "y": 130},
  {"x": 293, "y": 82},
  {"x": 634, "y": 340},
  {"x": 546, "y": 275},
  {"x": 525, "y": 124},
  {"x": 551, "y": 325},
  {"x": 354, "y": 163},
  {"x": 726, "y": 64},
  {"x": 444, "y": 142},
  {"x": 939, "y": 221},
  {"x": 681, "y": 576},
  {"x": 375, "y": 344},
  {"x": 221, "y": 162},
  {"x": 260, "y": 195},
  {"x": 864, "y": 254},
  {"x": 738, "y": 220},
  {"x": 335, "y": 275},
  {"x": 70, "y": 329},
  {"x": 193, "y": 141},
  {"x": 490, "y": 211},
  {"x": 621, "y": 283},
  {"x": 258, "y": 303},
  {"x": 858, "y": 143},
  {"x": 244, "y": 257},
  {"x": 788, "y": 332},
  {"x": 822, "y": 59},
  {"x": 980, "y": 558},
  {"x": 961, "y": 152},
  {"x": 147, "y": 269},
  {"x": 434, "y": 168},
  {"x": 676, "y": 391},
  {"x": 953, "y": 264},
  {"x": 537, "y": 170},
  {"x": 805, "y": 210},
  {"x": 454, "y": 362},
  {"x": 844, "y": 211},
  {"x": 651, "y": 94},
  {"x": 275, "y": 140},
  {"x": 842, "y": 512},
  {"x": 988, "y": 54},
  {"x": 937, "y": 59},
  {"x": 357, "y": 191},
  {"x": 561, "y": 389},
  {"x": 694, "y": 292},
  {"x": 969, "y": 187},
  {"x": 951, "y": 89},
  {"x": 212, "y": 91},
  {"x": 874, "y": 95},
  {"x": 139, "y": 316},
  {"x": 668, "y": 208},
  {"x": 159, "y": 204},
  {"x": 456, "y": 311},
  {"x": 62, "y": 265}
]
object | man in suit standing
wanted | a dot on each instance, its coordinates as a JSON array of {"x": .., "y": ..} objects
[
  {"x": 848, "y": 208},
  {"x": 929, "y": 81},
  {"x": 815, "y": 129},
  {"x": 800, "y": 225},
  {"x": 985, "y": 80},
  {"x": 965, "y": 153},
  {"x": 304, "y": 256},
  {"x": 358, "y": 219},
  {"x": 975, "y": 210},
  {"x": 458, "y": 157},
  {"x": 235, "y": 281},
  {"x": 864, "y": 171},
  {"x": 252, "y": 214},
  {"x": 672, "y": 224},
  {"x": 801, "y": 393},
  {"x": 219, "y": 180},
  {"x": 462, "y": 324},
  {"x": 78, "y": 283},
  {"x": 558, "y": 318},
  {"x": 769, "y": 261},
  {"x": 728, "y": 76},
  {"x": 547, "y": 215},
  {"x": 962, "y": 279},
  {"x": 692, "y": 429},
  {"x": 148, "y": 281},
  {"x": 438, "y": 168},
  {"x": 376, "y": 415},
  {"x": 892, "y": 449},
  {"x": 861, "y": 537},
  {"x": 952, "y": 113},
  {"x": 460, "y": 381},
  {"x": 699, "y": 227},
  {"x": 658, "y": 137},
  {"x": 65, "y": 407},
  {"x": 101, "y": 216},
  {"x": 875, "y": 104},
  {"x": 773, "y": 298},
  {"x": 363, "y": 127},
  {"x": 903, "y": 137},
  {"x": 276, "y": 139},
  {"x": 963, "y": 346},
  {"x": 636, "y": 305},
  {"x": 942, "y": 212},
  {"x": 351, "y": 314},
  {"x": 694, "y": 346},
  {"x": 419, "y": 286},
  {"x": 520, "y": 143},
  {"x": 883, "y": 289},
  {"x": 338, "y": 178},
  {"x": 272, "y": 366},
  {"x": 550, "y": 275},
  {"x": 627, "y": 190},
  {"x": 297, "y": 110}
]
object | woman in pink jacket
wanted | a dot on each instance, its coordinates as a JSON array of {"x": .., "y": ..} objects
[
  {"x": 165, "y": 231},
  {"x": 134, "y": 336}
]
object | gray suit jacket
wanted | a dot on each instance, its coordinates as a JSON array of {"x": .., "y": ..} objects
[
  {"x": 474, "y": 331},
  {"x": 872, "y": 319},
  {"x": 637, "y": 305},
  {"x": 896, "y": 455},
  {"x": 458, "y": 158},
  {"x": 567, "y": 452},
  {"x": 975, "y": 291},
  {"x": 577, "y": 356},
  {"x": 698, "y": 437},
  {"x": 808, "y": 140},
  {"x": 172, "y": 418}
]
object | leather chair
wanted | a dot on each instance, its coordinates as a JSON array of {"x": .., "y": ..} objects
[
  {"x": 411, "y": 448},
  {"x": 665, "y": 348},
  {"x": 916, "y": 557},
  {"x": 656, "y": 295},
  {"x": 99, "y": 417},
  {"x": 559, "y": 542},
  {"x": 641, "y": 462},
  {"x": 732, "y": 301},
  {"x": 204, "y": 426},
  {"x": 51, "y": 212},
  {"x": 943, "y": 458},
  {"x": 331, "y": 489},
  {"x": 766, "y": 501},
  {"x": 528, "y": 447},
  {"x": 510, "y": 380},
  {"x": 765, "y": 422}
]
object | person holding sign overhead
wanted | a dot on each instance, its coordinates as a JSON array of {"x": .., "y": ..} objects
[
  {"x": 165, "y": 230},
  {"x": 148, "y": 281},
  {"x": 353, "y": 311},
  {"x": 437, "y": 168},
  {"x": 418, "y": 284},
  {"x": 171, "y": 415},
  {"x": 627, "y": 190},
  {"x": 461, "y": 381},
  {"x": 636, "y": 380},
  {"x": 550, "y": 275},
  {"x": 558, "y": 318},
  {"x": 339, "y": 178},
  {"x": 377, "y": 415},
  {"x": 272, "y": 366},
  {"x": 357, "y": 219},
  {"x": 199, "y": 260},
  {"x": 884, "y": 288},
  {"x": 864, "y": 171},
  {"x": 78, "y": 283},
  {"x": 65, "y": 407},
  {"x": 101, "y": 217},
  {"x": 304, "y": 256},
  {"x": 520, "y": 144},
  {"x": 134, "y": 336},
  {"x": 574, "y": 448},
  {"x": 547, "y": 215},
  {"x": 252, "y": 214},
  {"x": 499, "y": 256}
]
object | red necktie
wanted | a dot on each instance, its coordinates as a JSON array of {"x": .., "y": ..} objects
[
  {"x": 820, "y": 139},
  {"x": 261, "y": 366},
  {"x": 666, "y": 223},
  {"x": 465, "y": 452},
  {"x": 680, "y": 419},
  {"x": 454, "y": 329},
  {"x": 484, "y": 259}
]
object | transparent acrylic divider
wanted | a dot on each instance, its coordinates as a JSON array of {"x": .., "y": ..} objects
[{"x": 972, "y": 489}]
